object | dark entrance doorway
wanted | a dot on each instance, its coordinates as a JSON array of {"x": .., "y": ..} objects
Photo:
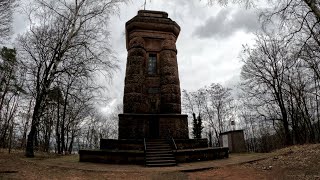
[{"x": 154, "y": 127}]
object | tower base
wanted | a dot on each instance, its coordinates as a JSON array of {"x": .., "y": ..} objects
[{"x": 139, "y": 126}]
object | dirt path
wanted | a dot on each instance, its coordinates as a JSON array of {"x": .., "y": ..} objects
[
  {"x": 72, "y": 162},
  {"x": 15, "y": 166},
  {"x": 296, "y": 162}
]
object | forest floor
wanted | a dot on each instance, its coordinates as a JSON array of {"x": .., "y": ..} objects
[{"x": 294, "y": 162}]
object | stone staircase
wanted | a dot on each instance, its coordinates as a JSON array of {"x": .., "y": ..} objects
[{"x": 159, "y": 153}]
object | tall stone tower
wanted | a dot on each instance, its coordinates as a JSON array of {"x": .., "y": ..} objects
[
  {"x": 152, "y": 97},
  {"x": 152, "y": 102}
]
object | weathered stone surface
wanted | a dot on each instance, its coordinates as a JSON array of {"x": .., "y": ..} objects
[
  {"x": 170, "y": 107},
  {"x": 169, "y": 44},
  {"x": 134, "y": 69},
  {"x": 135, "y": 60},
  {"x": 170, "y": 89},
  {"x": 137, "y": 126},
  {"x": 167, "y": 54},
  {"x": 121, "y": 144},
  {"x": 138, "y": 52},
  {"x": 169, "y": 71},
  {"x": 154, "y": 37},
  {"x": 169, "y": 62},
  {"x": 171, "y": 98},
  {"x": 169, "y": 80},
  {"x": 134, "y": 78},
  {"x": 134, "y": 87},
  {"x": 152, "y": 82},
  {"x": 136, "y": 42},
  {"x": 152, "y": 99},
  {"x": 151, "y": 93}
]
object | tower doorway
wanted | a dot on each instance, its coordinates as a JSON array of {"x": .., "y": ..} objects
[{"x": 154, "y": 127}]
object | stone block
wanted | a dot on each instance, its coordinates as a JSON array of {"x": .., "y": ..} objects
[
  {"x": 137, "y": 126},
  {"x": 134, "y": 70},
  {"x": 136, "y": 52},
  {"x": 114, "y": 157},
  {"x": 191, "y": 143},
  {"x": 170, "y": 89},
  {"x": 134, "y": 78},
  {"x": 169, "y": 44},
  {"x": 171, "y": 98},
  {"x": 169, "y": 71},
  {"x": 122, "y": 144},
  {"x": 133, "y": 88},
  {"x": 137, "y": 42},
  {"x": 152, "y": 82},
  {"x": 170, "y": 108},
  {"x": 169, "y": 80},
  {"x": 135, "y": 60}
]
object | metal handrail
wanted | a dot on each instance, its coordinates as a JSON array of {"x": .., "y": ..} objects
[
  {"x": 145, "y": 150},
  {"x": 174, "y": 143}
]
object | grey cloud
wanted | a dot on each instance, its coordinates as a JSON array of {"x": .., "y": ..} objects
[{"x": 226, "y": 22}]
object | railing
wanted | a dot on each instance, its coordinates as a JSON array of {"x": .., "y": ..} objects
[
  {"x": 170, "y": 138},
  {"x": 145, "y": 149},
  {"x": 174, "y": 143},
  {"x": 145, "y": 145}
]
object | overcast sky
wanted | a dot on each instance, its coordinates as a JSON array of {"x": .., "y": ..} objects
[{"x": 209, "y": 43}]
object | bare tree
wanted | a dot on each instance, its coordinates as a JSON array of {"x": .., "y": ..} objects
[
  {"x": 6, "y": 12},
  {"x": 221, "y": 102},
  {"x": 213, "y": 105},
  {"x": 193, "y": 103},
  {"x": 64, "y": 35},
  {"x": 264, "y": 75},
  {"x": 245, "y": 3},
  {"x": 11, "y": 82}
]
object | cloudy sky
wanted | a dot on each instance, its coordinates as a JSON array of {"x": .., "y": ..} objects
[{"x": 209, "y": 43}]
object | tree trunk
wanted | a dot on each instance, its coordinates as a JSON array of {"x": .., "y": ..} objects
[
  {"x": 34, "y": 123},
  {"x": 30, "y": 140},
  {"x": 58, "y": 140}
]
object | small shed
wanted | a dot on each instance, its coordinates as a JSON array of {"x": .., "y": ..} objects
[{"x": 234, "y": 140}]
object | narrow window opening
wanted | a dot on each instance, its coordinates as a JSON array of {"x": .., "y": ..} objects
[{"x": 152, "y": 64}]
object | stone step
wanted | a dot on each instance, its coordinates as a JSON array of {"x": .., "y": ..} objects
[
  {"x": 158, "y": 161},
  {"x": 161, "y": 165},
  {"x": 157, "y": 140},
  {"x": 155, "y": 149},
  {"x": 158, "y": 144},
  {"x": 159, "y": 152},
  {"x": 160, "y": 158},
  {"x": 158, "y": 149},
  {"x": 159, "y": 155}
]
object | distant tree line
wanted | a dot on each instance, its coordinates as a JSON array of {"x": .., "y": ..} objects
[
  {"x": 212, "y": 109},
  {"x": 280, "y": 77}
]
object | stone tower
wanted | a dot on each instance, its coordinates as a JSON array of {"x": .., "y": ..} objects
[
  {"x": 152, "y": 102},
  {"x": 152, "y": 97}
]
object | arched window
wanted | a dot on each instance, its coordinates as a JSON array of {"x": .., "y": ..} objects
[{"x": 152, "y": 64}]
